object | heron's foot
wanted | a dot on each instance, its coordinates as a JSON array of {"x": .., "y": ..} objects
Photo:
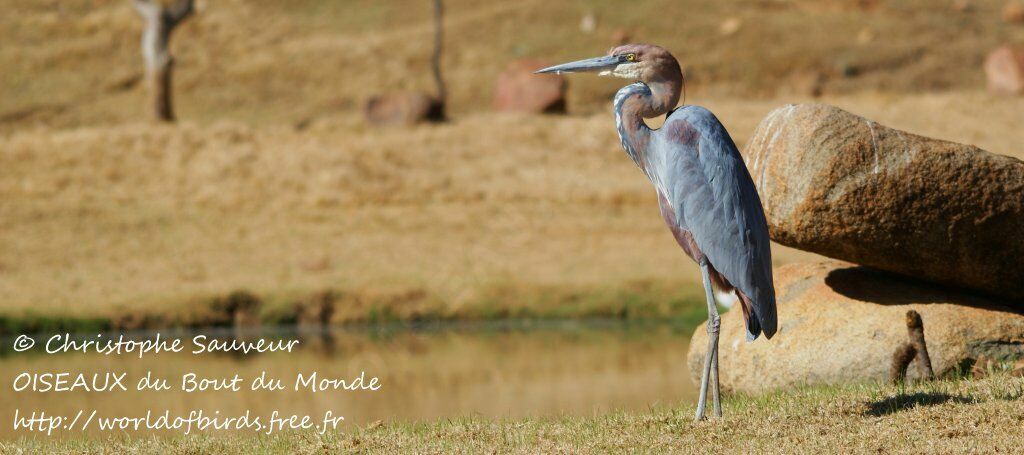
[
  {"x": 700, "y": 409},
  {"x": 711, "y": 355},
  {"x": 716, "y": 391}
]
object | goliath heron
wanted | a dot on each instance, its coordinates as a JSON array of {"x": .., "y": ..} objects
[{"x": 705, "y": 193}]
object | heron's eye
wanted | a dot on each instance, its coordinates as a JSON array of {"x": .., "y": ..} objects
[{"x": 631, "y": 57}]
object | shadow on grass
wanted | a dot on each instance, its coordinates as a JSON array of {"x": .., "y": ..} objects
[{"x": 903, "y": 402}]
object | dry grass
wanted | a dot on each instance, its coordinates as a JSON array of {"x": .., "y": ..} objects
[
  {"x": 477, "y": 216},
  {"x": 102, "y": 215},
  {"x": 272, "y": 62},
  {"x": 139, "y": 217},
  {"x": 951, "y": 416}
]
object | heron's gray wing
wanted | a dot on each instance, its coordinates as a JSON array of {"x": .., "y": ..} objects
[{"x": 715, "y": 199}]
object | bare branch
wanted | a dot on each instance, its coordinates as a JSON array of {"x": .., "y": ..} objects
[
  {"x": 160, "y": 22},
  {"x": 435, "y": 61},
  {"x": 147, "y": 9},
  {"x": 179, "y": 11}
]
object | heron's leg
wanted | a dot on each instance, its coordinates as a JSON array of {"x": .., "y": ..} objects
[
  {"x": 711, "y": 354},
  {"x": 716, "y": 395}
]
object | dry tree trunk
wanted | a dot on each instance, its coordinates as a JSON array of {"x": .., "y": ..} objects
[
  {"x": 435, "y": 61},
  {"x": 160, "y": 22},
  {"x": 414, "y": 107}
]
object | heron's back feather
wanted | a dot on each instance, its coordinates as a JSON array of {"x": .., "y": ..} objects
[{"x": 695, "y": 164}]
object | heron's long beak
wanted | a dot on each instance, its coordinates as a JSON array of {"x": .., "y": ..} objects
[{"x": 605, "y": 63}]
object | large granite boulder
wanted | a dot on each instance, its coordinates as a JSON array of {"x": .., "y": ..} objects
[
  {"x": 845, "y": 187},
  {"x": 403, "y": 109},
  {"x": 840, "y": 322}
]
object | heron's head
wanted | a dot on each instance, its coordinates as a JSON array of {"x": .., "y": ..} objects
[{"x": 639, "y": 62}]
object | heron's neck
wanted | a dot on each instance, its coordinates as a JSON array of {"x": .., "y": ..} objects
[
  {"x": 633, "y": 132},
  {"x": 637, "y": 101}
]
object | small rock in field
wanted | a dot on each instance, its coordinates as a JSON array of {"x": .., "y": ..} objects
[
  {"x": 865, "y": 36},
  {"x": 810, "y": 83},
  {"x": 518, "y": 89},
  {"x": 867, "y": 5},
  {"x": 620, "y": 36},
  {"x": 588, "y": 23},
  {"x": 316, "y": 264},
  {"x": 1013, "y": 13},
  {"x": 402, "y": 109},
  {"x": 1004, "y": 68},
  {"x": 730, "y": 26}
]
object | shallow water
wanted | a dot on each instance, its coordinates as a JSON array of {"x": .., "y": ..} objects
[{"x": 440, "y": 372}]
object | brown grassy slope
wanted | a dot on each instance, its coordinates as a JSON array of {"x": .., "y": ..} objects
[
  {"x": 72, "y": 62},
  {"x": 449, "y": 219},
  {"x": 136, "y": 214},
  {"x": 99, "y": 211}
]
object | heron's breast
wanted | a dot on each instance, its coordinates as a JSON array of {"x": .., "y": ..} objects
[{"x": 683, "y": 236}]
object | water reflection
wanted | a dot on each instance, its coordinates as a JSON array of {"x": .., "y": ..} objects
[{"x": 427, "y": 373}]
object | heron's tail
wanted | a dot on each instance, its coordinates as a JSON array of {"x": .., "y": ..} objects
[
  {"x": 767, "y": 316},
  {"x": 759, "y": 318}
]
